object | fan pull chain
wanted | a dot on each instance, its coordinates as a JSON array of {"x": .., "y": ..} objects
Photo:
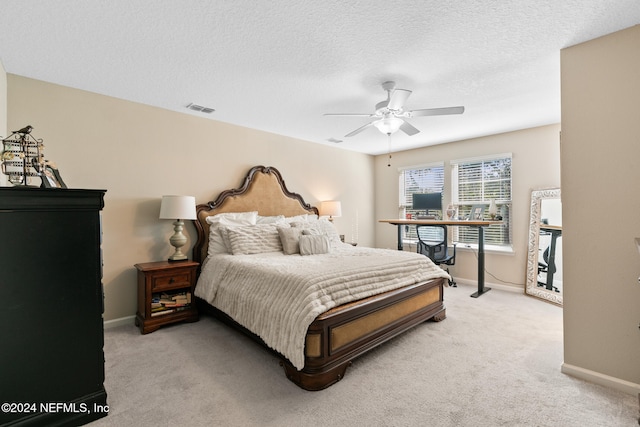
[{"x": 389, "y": 162}]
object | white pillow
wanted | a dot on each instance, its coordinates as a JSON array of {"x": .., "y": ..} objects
[
  {"x": 297, "y": 218},
  {"x": 254, "y": 239},
  {"x": 276, "y": 219},
  {"x": 329, "y": 230},
  {"x": 314, "y": 244},
  {"x": 216, "y": 222}
]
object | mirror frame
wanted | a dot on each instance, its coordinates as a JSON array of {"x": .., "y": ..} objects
[{"x": 531, "y": 283}]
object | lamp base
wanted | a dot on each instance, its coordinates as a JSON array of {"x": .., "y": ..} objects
[
  {"x": 178, "y": 260},
  {"x": 178, "y": 240}
]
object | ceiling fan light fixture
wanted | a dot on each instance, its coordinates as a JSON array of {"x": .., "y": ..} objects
[
  {"x": 388, "y": 125},
  {"x": 389, "y": 114}
]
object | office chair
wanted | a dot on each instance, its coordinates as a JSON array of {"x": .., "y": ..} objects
[
  {"x": 545, "y": 267},
  {"x": 432, "y": 242}
]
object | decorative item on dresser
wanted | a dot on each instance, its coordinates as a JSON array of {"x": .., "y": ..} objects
[
  {"x": 165, "y": 292},
  {"x": 178, "y": 208},
  {"x": 22, "y": 156},
  {"x": 402, "y": 289},
  {"x": 51, "y": 323},
  {"x": 51, "y": 176}
]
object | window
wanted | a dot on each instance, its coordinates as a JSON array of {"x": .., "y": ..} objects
[
  {"x": 418, "y": 179},
  {"x": 477, "y": 182}
]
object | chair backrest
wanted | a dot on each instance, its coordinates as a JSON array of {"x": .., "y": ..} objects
[{"x": 432, "y": 241}]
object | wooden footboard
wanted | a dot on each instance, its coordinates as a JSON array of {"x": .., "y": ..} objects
[
  {"x": 337, "y": 337},
  {"x": 340, "y": 335}
]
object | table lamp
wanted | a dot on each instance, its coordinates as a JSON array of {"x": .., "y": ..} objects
[
  {"x": 178, "y": 208},
  {"x": 330, "y": 208}
]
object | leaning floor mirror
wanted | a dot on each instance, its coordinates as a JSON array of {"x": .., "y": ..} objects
[{"x": 544, "y": 258}]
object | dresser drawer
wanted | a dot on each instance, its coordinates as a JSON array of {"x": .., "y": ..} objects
[{"x": 175, "y": 280}]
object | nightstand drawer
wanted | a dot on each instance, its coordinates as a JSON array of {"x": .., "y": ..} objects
[{"x": 176, "y": 280}]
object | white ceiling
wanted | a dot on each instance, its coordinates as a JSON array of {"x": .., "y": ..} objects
[{"x": 279, "y": 65}]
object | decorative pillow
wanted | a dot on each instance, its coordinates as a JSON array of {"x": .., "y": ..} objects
[
  {"x": 224, "y": 234},
  {"x": 217, "y": 243},
  {"x": 314, "y": 244},
  {"x": 321, "y": 227},
  {"x": 289, "y": 238},
  {"x": 254, "y": 239}
]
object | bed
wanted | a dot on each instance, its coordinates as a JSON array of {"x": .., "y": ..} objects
[{"x": 356, "y": 298}]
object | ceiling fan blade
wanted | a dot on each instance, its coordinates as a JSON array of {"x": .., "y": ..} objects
[
  {"x": 408, "y": 128},
  {"x": 360, "y": 129},
  {"x": 435, "y": 111},
  {"x": 349, "y": 114},
  {"x": 398, "y": 98}
]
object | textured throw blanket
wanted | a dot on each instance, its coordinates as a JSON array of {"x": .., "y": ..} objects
[{"x": 278, "y": 296}]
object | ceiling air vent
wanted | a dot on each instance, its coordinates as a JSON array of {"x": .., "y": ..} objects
[{"x": 200, "y": 108}]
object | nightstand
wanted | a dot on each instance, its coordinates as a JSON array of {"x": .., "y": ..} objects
[{"x": 165, "y": 294}]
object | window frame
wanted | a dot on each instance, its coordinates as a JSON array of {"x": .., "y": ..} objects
[{"x": 467, "y": 236}]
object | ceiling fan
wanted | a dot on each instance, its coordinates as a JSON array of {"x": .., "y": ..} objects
[{"x": 391, "y": 115}]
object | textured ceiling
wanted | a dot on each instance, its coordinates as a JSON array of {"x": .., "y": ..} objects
[{"x": 279, "y": 65}]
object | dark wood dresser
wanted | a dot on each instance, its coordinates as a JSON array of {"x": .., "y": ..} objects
[{"x": 51, "y": 327}]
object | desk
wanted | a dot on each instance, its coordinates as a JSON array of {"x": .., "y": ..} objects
[
  {"x": 555, "y": 231},
  {"x": 472, "y": 223}
]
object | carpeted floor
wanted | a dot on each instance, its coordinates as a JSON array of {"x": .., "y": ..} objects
[{"x": 494, "y": 361}]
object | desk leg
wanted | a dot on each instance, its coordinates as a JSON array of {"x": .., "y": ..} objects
[
  {"x": 400, "y": 247},
  {"x": 481, "y": 288}
]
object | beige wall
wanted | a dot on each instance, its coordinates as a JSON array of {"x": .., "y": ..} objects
[
  {"x": 600, "y": 151},
  {"x": 3, "y": 113},
  {"x": 535, "y": 165},
  {"x": 139, "y": 153}
]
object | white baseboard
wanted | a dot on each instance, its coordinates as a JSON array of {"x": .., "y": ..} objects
[
  {"x": 502, "y": 287},
  {"x": 128, "y": 320},
  {"x": 601, "y": 379}
]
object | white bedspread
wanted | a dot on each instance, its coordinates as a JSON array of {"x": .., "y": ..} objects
[{"x": 278, "y": 296}]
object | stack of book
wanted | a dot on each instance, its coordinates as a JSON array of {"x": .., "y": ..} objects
[{"x": 163, "y": 303}]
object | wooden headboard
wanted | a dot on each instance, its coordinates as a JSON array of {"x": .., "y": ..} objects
[{"x": 262, "y": 190}]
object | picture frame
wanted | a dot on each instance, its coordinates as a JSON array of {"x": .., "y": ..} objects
[
  {"x": 477, "y": 213},
  {"x": 51, "y": 178}
]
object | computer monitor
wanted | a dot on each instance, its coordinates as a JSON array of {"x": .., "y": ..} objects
[{"x": 427, "y": 201}]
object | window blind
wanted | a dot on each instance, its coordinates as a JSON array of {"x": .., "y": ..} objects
[
  {"x": 476, "y": 182},
  {"x": 418, "y": 179}
]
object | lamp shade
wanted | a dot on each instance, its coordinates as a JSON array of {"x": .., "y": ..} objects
[
  {"x": 388, "y": 125},
  {"x": 178, "y": 207},
  {"x": 331, "y": 208}
]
